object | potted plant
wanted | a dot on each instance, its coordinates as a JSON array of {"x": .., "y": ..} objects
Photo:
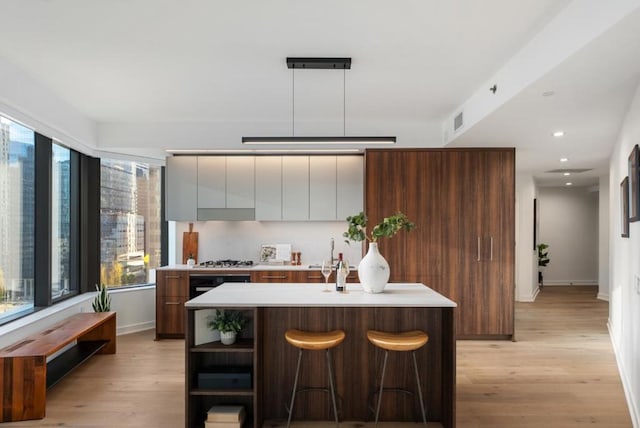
[
  {"x": 373, "y": 270},
  {"x": 102, "y": 302},
  {"x": 543, "y": 260},
  {"x": 229, "y": 324}
]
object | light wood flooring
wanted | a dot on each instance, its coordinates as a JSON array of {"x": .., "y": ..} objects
[{"x": 560, "y": 373}]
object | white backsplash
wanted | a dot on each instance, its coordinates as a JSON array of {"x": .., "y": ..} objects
[{"x": 242, "y": 240}]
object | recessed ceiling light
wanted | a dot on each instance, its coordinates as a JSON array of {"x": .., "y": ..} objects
[
  {"x": 568, "y": 184},
  {"x": 548, "y": 93},
  {"x": 564, "y": 159},
  {"x": 558, "y": 134},
  {"x": 566, "y": 174}
]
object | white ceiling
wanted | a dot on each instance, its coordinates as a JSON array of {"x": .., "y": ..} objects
[{"x": 222, "y": 63}]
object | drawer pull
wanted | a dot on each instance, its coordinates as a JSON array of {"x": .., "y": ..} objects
[
  {"x": 171, "y": 303},
  {"x": 174, "y": 276},
  {"x": 274, "y": 276},
  {"x": 315, "y": 277}
]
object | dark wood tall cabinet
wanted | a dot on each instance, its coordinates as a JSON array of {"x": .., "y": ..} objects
[{"x": 463, "y": 204}]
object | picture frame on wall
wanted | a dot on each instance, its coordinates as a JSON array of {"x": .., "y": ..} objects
[
  {"x": 624, "y": 208},
  {"x": 634, "y": 184},
  {"x": 535, "y": 223}
]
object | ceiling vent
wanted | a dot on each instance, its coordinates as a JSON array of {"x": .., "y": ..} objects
[
  {"x": 571, "y": 170},
  {"x": 457, "y": 122}
]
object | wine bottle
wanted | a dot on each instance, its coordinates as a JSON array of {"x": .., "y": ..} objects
[{"x": 340, "y": 274}]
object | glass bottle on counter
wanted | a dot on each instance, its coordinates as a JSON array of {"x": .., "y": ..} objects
[{"x": 341, "y": 274}]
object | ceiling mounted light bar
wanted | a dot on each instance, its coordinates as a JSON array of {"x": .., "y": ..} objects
[
  {"x": 318, "y": 140},
  {"x": 320, "y": 63}
]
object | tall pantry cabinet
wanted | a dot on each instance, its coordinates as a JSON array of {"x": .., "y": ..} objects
[{"x": 463, "y": 204}]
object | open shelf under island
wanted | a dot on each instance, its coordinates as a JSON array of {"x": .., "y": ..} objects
[{"x": 269, "y": 361}]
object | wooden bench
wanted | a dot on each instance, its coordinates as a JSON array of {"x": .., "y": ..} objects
[{"x": 25, "y": 373}]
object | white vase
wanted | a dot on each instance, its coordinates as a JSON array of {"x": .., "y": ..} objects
[
  {"x": 228, "y": 337},
  {"x": 373, "y": 270}
]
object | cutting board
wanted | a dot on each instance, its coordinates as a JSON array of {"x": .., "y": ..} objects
[{"x": 189, "y": 244}]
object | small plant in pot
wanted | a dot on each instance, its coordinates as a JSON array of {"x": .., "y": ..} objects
[
  {"x": 229, "y": 324},
  {"x": 373, "y": 270},
  {"x": 102, "y": 302}
]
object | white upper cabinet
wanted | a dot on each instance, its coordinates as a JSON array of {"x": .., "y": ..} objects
[
  {"x": 181, "y": 184},
  {"x": 268, "y": 187},
  {"x": 350, "y": 188},
  {"x": 212, "y": 182},
  {"x": 295, "y": 187},
  {"x": 322, "y": 187},
  {"x": 240, "y": 182}
]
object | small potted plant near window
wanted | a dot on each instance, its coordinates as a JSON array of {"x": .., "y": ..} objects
[
  {"x": 102, "y": 301},
  {"x": 373, "y": 270},
  {"x": 229, "y": 324}
]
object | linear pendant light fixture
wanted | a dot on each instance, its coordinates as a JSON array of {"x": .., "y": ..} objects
[{"x": 319, "y": 64}]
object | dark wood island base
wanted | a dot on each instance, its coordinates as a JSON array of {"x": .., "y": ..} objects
[{"x": 357, "y": 365}]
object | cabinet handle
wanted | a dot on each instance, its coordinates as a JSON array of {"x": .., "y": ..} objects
[
  {"x": 174, "y": 276},
  {"x": 171, "y": 303},
  {"x": 274, "y": 276},
  {"x": 491, "y": 251},
  {"x": 478, "y": 248},
  {"x": 314, "y": 276}
]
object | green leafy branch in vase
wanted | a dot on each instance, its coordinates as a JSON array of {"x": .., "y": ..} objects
[{"x": 388, "y": 227}]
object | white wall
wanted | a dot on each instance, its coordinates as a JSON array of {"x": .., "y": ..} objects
[
  {"x": 526, "y": 256},
  {"x": 29, "y": 102},
  {"x": 624, "y": 292},
  {"x": 135, "y": 307},
  {"x": 242, "y": 240},
  {"x": 569, "y": 224},
  {"x": 603, "y": 238}
]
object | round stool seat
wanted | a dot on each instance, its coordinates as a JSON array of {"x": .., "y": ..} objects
[
  {"x": 404, "y": 341},
  {"x": 314, "y": 340}
]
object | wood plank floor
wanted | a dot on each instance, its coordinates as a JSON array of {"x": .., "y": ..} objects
[{"x": 560, "y": 373}]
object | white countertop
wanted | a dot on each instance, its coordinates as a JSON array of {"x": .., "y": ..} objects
[
  {"x": 311, "y": 295},
  {"x": 240, "y": 269}
]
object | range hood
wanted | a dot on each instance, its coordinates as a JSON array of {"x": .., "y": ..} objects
[{"x": 226, "y": 214}]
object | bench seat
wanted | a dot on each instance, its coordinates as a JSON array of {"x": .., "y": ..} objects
[{"x": 26, "y": 374}]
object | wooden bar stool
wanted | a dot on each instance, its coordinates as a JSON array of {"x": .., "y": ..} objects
[
  {"x": 314, "y": 341},
  {"x": 402, "y": 342}
]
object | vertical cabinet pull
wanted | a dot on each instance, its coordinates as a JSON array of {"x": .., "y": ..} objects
[
  {"x": 478, "y": 248},
  {"x": 491, "y": 250}
]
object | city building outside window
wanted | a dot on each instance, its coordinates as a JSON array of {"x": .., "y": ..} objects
[
  {"x": 17, "y": 181},
  {"x": 61, "y": 222},
  {"x": 130, "y": 202}
]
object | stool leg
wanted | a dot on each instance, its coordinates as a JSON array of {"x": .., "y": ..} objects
[
  {"x": 384, "y": 368},
  {"x": 333, "y": 391},
  {"x": 295, "y": 384},
  {"x": 415, "y": 365}
]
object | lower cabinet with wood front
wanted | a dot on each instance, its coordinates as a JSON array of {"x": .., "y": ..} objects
[{"x": 172, "y": 292}]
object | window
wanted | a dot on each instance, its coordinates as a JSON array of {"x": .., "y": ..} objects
[
  {"x": 17, "y": 243},
  {"x": 61, "y": 283},
  {"x": 130, "y": 201}
]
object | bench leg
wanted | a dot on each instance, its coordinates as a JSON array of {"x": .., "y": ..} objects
[{"x": 24, "y": 385}]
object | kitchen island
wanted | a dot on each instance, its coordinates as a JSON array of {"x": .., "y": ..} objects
[{"x": 264, "y": 358}]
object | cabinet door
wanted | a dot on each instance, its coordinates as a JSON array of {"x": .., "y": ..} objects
[
  {"x": 295, "y": 187},
  {"x": 350, "y": 186},
  {"x": 268, "y": 178},
  {"x": 171, "y": 323},
  {"x": 408, "y": 182},
  {"x": 322, "y": 188},
  {"x": 274, "y": 276},
  {"x": 181, "y": 194},
  {"x": 240, "y": 181},
  {"x": 211, "y": 181}
]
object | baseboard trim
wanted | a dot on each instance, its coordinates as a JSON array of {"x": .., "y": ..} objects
[
  {"x": 570, "y": 282},
  {"x": 634, "y": 412},
  {"x": 603, "y": 296},
  {"x": 135, "y": 328},
  {"x": 531, "y": 297}
]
